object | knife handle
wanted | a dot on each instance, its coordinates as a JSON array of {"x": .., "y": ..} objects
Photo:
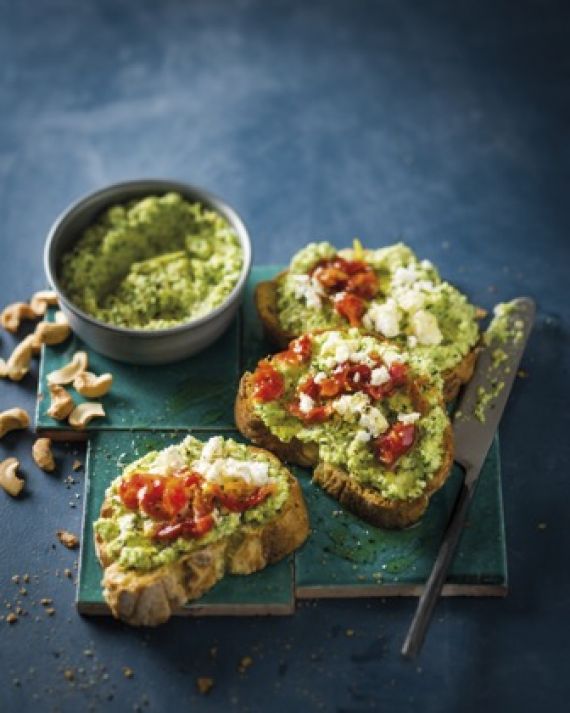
[{"x": 436, "y": 580}]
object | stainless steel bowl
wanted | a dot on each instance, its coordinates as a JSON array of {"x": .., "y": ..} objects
[{"x": 138, "y": 346}]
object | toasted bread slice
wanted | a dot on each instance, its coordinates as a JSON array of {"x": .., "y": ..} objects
[
  {"x": 364, "y": 501},
  {"x": 267, "y": 304},
  {"x": 149, "y": 598}
]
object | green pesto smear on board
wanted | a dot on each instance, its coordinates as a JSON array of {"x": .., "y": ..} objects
[
  {"x": 153, "y": 263},
  {"x": 411, "y": 293},
  {"x": 339, "y": 437},
  {"x": 127, "y": 534},
  {"x": 502, "y": 330}
]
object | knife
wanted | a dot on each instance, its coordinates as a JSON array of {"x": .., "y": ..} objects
[{"x": 475, "y": 422}]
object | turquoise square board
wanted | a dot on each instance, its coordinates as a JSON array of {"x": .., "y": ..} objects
[
  {"x": 267, "y": 592},
  {"x": 343, "y": 556}
]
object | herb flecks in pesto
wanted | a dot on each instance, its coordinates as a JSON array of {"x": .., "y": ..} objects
[{"x": 153, "y": 263}]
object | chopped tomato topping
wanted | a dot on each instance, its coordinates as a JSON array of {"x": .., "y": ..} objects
[
  {"x": 302, "y": 346},
  {"x": 317, "y": 414},
  {"x": 351, "y": 307},
  {"x": 398, "y": 373},
  {"x": 363, "y": 284},
  {"x": 234, "y": 503},
  {"x": 332, "y": 277},
  {"x": 268, "y": 383},
  {"x": 395, "y": 443},
  {"x": 311, "y": 388},
  {"x": 190, "y": 529}
]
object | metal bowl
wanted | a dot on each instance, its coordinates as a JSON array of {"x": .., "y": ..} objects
[{"x": 138, "y": 346}]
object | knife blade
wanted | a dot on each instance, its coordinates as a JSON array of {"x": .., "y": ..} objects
[{"x": 474, "y": 425}]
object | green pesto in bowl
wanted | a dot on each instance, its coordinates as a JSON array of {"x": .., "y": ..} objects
[{"x": 153, "y": 263}]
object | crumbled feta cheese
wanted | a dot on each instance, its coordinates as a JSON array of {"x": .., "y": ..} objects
[
  {"x": 306, "y": 403},
  {"x": 253, "y": 472},
  {"x": 373, "y": 421},
  {"x": 213, "y": 448},
  {"x": 391, "y": 357},
  {"x": 361, "y": 357},
  {"x": 304, "y": 289},
  {"x": 342, "y": 353},
  {"x": 412, "y": 341},
  {"x": 351, "y": 404},
  {"x": 379, "y": 376},
  {"x": 411, "y": 300},
  {"x": 426, "y": 264},
  {"x": 356, "y": 377},
  {"x": 426, "y": 328},
  {"x": 362, "y": 436},
  {"x": 320, "y": 377},
  {"x": 168, "y": 460},
  {"x": 383, "y": 318},
  {"x": 409, "y": 417}
]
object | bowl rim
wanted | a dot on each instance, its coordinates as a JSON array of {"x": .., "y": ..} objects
[{"x": 161, "y": 185}]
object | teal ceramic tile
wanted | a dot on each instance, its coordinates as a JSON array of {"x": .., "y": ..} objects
[
  {"x": 198, "y": 391},
  {"x": 346, "y": 557},
  {"x": 267, "y": 592}
]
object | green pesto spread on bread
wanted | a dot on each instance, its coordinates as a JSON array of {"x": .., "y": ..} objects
[
  {"x": 344, "y": 398},
  {"x": 129, "y": 533},
  {"x": 412, "y": 305},
  {"x": 153, "y": 263}
]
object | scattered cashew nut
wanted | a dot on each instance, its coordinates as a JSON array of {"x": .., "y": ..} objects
[
  {"x": 82, "y": 414},
  {"x": 8, "y": 478},
  {"x": 67, "y": 373},
  {"x": 62, "y": 403},
  {"x": 51, "y": 333},
  {"x": 13, "y": 314},
  {"x": 92, "y": 386},
  {"x": 18, "y": 363},
  {"x": 42, "y": 455},
  {"x": 12, "y": 419},
  {"x": 42, "y": 300}
]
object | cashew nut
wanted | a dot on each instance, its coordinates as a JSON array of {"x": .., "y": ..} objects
[
  {"x": 82, "y": 414},
  {"x": 13, "y": 314},
  {"x": 8, "y": 478},
  {"x": 42, "y": 300},
  {"x": 42, "y": 455},
  {"x": 92, "y": 386},
  {"x": 18, "y": 363},
  {"x": 51, "y": 333},
  {"x": 62, "y": 403},
  {"x": 67, "y": 373},
  {"x": 12, "y": 419}
]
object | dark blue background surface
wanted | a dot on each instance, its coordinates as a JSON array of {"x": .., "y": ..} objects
[{"x": 442, "y": 123}]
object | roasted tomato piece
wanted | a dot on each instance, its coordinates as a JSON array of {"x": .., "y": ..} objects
[
  {"x": 268, "y": 383},
  {"x": 318, "y": 414},
  {"x": 357, "y": 376},
  {"x": 185, "y": 528},
  {"x": 311, "y": 388},
  {"x": 175, "y": 497},
  {"x": 331, "y": 387},
  {"x": 333, "y": 278},
  {"x": 150, "y": 498},
  {"x": 303, "y": 347},
  {"x": 395, "y": 443},
  {"x": 363, "y": 284},
  {"x": 129, "y": 490},
  {"x": 353, "y": 267},
  {"x": 239, "y": 504},
  {"x": 351, "y": 307},
  {"x": 398, "y": 373}
]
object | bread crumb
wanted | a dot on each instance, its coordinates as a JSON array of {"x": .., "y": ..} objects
[
  {"x": 128, "y": 672},
  {"x": 45, "y": 602},
  {"x": 542, "y": 526},
  {"x": 350, "y": 632},
  {"x": 68, "y": 573},
  {"x": 50, "y": 611},
  {"x": 69, "y": 674},
  {"x": 522, "y": 374},
  {"x": 68, "y": 539},
  {"x": 11, "y": 618},
  {"x": 16, "y": 578},
  {"x": 244, "y": 664},
  {"x": 204, "y": 684},
  {"x": 77, "y": 465}
]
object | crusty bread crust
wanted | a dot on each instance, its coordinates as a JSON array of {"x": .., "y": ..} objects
[
  {"x": 150, "y": 598},
  {"x": 266, "y": 303},
  {"x": 366, "y": 502}
]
